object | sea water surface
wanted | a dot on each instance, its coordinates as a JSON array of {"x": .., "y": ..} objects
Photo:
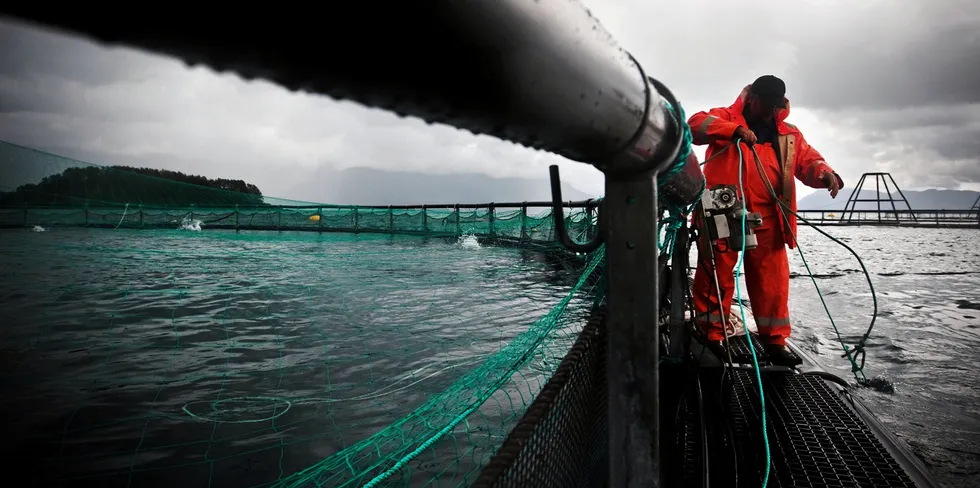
[
  {"x": 215, "y": 358},
  {"x": 925, "y": 341},
  {"x": 231, "y": 359}
]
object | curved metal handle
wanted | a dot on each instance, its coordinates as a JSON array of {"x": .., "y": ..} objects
[{"x": 559, "y": 217}]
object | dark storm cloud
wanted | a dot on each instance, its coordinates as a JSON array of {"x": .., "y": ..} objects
[
  {"x": 29, "y": 53},
  {"x": 964, "y": 145},
  {"x": 922, "y": 146},
  {"x": 893, "y": 55},
  {"x": 906, "y": 76},
  {"x": 922, "y": 117}
]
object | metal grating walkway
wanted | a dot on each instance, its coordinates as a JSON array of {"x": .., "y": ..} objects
[
  {"x": 710, "y": 430},
  {"x": 742, "y": 354},
  {"x": 816, "y": 439}
]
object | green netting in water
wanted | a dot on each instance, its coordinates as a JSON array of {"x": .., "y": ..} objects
[
  {"x": 506, "y": 224},
  {"x": 367, "y": 353},
  {"x": 169, "y": 358}
]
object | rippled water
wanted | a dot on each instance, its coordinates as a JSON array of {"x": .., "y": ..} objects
[
  {"x": 188, "y": 358},
  {"x": 925, "y": 341},
  {"x": 117, "y": 344}
]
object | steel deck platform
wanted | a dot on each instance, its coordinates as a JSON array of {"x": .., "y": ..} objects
[
  {"x": 742, "y": 354},
  {"x": 816, "y": 438},
  {"x": 818, "y": 434},
  {"x": 711, "y": 429}
]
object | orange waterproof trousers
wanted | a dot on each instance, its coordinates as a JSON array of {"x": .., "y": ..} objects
[{"x": 766, "y": 271}]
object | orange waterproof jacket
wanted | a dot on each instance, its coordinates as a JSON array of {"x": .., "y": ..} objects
[{"x": 716, "y": 128}]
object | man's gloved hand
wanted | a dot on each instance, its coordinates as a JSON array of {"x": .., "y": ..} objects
[
  {"x": 746, "y": 135},
  {"x": 832, "y": 181}
]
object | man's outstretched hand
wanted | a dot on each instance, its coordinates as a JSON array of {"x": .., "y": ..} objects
[
  {"x": 830, "y": 179},
  {"x": 745, "y": 135}
]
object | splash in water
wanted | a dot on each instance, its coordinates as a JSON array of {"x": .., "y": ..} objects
[
  {"x": 468, "y": 241},
  {"x": 190, "y": 224},
  {"x": 38, "y": 228}
]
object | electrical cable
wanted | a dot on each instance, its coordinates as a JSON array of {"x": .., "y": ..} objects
[
  {"x": 857, "y": 360},
  {"x": 741, "y": 309}
]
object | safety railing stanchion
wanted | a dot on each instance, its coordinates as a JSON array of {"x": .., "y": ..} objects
[
  {"x": 628, "y": 227},
  {"x": 490, "y": 215},
  {"x": 458, "y": 228},
  {"x": 524, "y": 233}
]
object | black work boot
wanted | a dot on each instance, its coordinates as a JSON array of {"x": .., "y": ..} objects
[
  {"x": 719, "y": 350},
  {"x": 780, "y": 355}
]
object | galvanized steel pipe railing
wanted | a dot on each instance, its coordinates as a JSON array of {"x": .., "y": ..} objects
[{"x": 544, "y": 74}]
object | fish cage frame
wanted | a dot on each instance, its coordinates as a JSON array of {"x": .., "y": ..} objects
[
  {"x": 237, "y": 218},
  {"x": 881, "y": 178}
]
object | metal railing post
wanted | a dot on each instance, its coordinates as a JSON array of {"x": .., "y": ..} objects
[
  {"x": 524, "y": 233},
  {"x": 459, "y": 230},
  {"x": 490, "y": 211}
]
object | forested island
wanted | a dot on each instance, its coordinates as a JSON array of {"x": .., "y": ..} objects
[{"x": 111, "y": 185}]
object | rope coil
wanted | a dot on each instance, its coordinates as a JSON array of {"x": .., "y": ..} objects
[{"x": 741, "y": 309}]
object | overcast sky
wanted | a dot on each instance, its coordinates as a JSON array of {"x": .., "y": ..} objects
[{"x": 877, "y": 85}]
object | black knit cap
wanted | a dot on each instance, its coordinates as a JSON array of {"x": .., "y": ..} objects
[{"x": 771, "y": 90}]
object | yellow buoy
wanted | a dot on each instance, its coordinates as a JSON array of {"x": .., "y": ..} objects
[{"x": 315, "y": 218}]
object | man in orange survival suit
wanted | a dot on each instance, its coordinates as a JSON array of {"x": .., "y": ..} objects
[{"x": 758, "y": 117}]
